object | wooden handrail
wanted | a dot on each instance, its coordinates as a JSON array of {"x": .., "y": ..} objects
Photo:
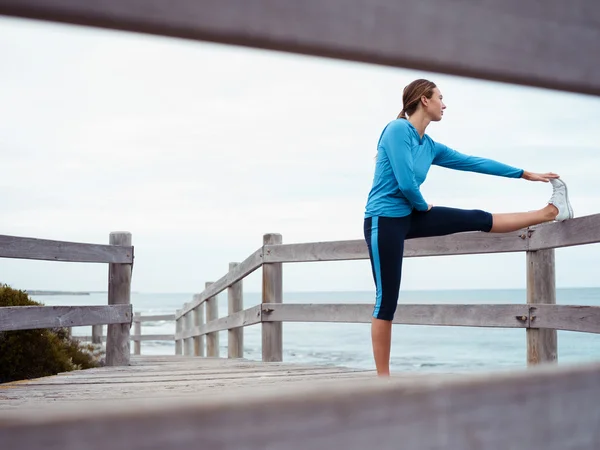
[
  {"x": 557, "y": 317},
  {"x": 48, "y": 250},
  {"x": 33, "y": 317},
  {"x": 578, "y": 231},
  {"x": 480, "y": 39}
]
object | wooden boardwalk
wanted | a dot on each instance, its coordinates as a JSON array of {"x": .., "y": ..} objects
[{"x": 150, "y": 377}]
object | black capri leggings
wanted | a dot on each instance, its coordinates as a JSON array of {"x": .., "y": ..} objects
[{"x": 385, "y": 239}]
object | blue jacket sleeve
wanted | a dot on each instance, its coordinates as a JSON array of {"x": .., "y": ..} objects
[
  {"x": 451, "y": 159},
  {"x": 397, "y": 148}
]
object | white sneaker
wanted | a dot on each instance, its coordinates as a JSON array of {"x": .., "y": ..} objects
[{"x": 560, "y": 199}]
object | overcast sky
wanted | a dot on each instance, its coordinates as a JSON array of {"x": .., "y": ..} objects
[{"x": 199, "y": 149}]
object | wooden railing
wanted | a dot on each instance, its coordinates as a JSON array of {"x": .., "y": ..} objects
[
  {"x": 117, "y": 314},
  {"x": 540, "y": 316}
]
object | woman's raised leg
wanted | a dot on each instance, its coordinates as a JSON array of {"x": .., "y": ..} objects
[{"x": 507, "y": 222}]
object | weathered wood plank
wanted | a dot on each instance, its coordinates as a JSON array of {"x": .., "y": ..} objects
[
  {"x": 34, "y": 317},
  {"x": 48, "y": 250},
  {"x": 455, "y": 413},
  {"x": 541, "y": 289},
  {"x": 456, "y": 244},
  {"x": 188, "y": 324},
  {"x": 212, "y": 314},
  {"x": 198, "y": 321},
  {"x": 118, "y": 348},
  {"x": 473, "y": 39},
  {"x": 244, "y": 318},
  {"x": 178, "y": 330},
  {"x": 272, "y": 293},
  {"x": 137, "y": 331},
  {"x": 578, "y": 231},
  {"x": 154, "y": 318},
  {"x": 135, "y": 337},
  {"x": 97, "y": 333},
  {"x": 235, "y": 303},
  {"x": 584, "y": 319},
  {"x": 504, "y": 316},
  {"x": 245, "y": 268},
  {"x": 54, "y": 384}
]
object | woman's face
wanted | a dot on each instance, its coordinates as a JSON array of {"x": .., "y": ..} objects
[{"x": 434, "y": 106}]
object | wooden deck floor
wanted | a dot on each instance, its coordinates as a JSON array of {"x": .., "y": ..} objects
[{"x": 167, "y": 377}]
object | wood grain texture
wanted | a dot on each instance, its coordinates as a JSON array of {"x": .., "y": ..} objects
[
  {"x": 178, "y": 333},
  {"x": 505, "y": 316},
  {"x": 244, "y": 318},
  {"x": 97, "y": 334},
  {"x": 272, "y": 293},
  {"x": 163, "y": 377},
  {"x": 212, "y": 314},
  {"x": 135, "y": 337},
  {"x": 198, "y": 321},
  {"x": 235, "y": 303},
  {"x": 541, "y": 44},
  {"x": 137, "y": 331},
  {"x": 188, "y": 343},
  {"x": 34, "y": 317},
  {"x": 578, "y": 231},
  {"x": 580, "y": 318},
  {"x": 245, "y": 268},
  {"x": 456, "y": 244},
  {"x": 118, "y": 348},
  {"x": 554, "y": 408},
  {"x": 541, "y": 290},
  {"x": 48, "y": 250},
  {"x": 154, "y": 318}
]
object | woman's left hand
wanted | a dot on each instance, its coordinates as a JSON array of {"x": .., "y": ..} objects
[{"x": 545, "y": 177}]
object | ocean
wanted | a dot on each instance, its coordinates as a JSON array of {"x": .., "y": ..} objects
[{"x": 414, "y": 348}]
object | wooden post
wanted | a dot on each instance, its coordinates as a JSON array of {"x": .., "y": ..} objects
[
  {"x": 272, "y": 292},
  {"x": 188, "y": 343},
  {"x": 137, "y": 331},
  {"x": 97, "y": 331},
  {"x": 198, "y": 320},
  {"x": 212, "y": 313},
  {"x": 178, "y": 330},
  {"x": 235, "y": 300},
  {"x": 118, "y": 348},
  {"x": 541, "y": 343}
]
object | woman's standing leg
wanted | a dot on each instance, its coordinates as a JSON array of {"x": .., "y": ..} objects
[{"x": 385, "y": 241}]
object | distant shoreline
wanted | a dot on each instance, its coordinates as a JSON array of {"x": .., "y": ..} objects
[{"x": 56, "y": 292}]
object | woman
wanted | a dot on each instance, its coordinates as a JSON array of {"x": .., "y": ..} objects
[{"x": 396, "y": 210}]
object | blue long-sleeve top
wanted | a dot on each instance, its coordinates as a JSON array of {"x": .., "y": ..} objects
[{"x": 403, "y": 160}]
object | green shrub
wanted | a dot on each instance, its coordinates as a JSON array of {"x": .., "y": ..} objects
[{"x": 27, "y": 354}]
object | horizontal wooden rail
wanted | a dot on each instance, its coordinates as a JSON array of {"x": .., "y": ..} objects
[
  {"x": 239, "y": 319},
  {"x": 135, "y": 337},
  {"x": 504, "y": 316},
  {"x": 48, "y": 250},
  {"x": 529, "y": 43},
  {"x": 34, "y": 317},
  {"x": 547, "y": 407},
  {"x": 245, "y": 268},
  {"x": 457, "y": 244},
  {"x": 155, "y": 318},
  {"x": 578, "y": 231},
  {"x": 561, "y": 317},
  {"x": 585, "y": 319}
]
